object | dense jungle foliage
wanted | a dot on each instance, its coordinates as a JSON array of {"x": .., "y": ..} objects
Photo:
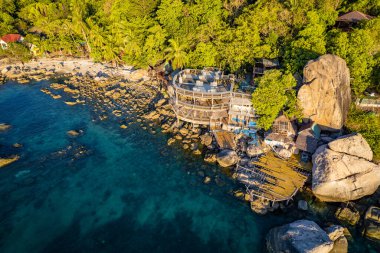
[{"x": 229, "y": 34}]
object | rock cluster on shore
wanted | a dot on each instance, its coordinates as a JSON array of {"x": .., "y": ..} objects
[
  {"x": 306, "y": 236},
  {"x": 342, "y": 167},
  {"x": 343, "y": 171}
]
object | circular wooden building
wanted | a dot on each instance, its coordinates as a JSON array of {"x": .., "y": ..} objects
[{"x": 206, "y": 97}]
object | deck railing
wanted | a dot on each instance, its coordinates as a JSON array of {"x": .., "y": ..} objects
[
  {"x": 214, "y": 107},
  {"x": 219, "y": 101}
]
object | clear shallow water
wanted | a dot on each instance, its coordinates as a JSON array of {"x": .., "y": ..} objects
[{"x": 128, "y": 193}]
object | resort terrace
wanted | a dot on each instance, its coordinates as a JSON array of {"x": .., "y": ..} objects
[
  {"x": 204, "y": 81},
  {"x": 207, "y": 97}
]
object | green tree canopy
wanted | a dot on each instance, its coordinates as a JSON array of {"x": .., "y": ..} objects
[{"x": 275, "y": 92}]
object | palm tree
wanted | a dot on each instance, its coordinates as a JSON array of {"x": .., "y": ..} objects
[{"x": 176, "y": 53}]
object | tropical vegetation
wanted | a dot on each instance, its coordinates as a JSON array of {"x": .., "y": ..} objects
[{"x": 230, "y": 34}]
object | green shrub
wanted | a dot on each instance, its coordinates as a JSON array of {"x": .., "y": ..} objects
[
  {"x": 368, "y": 124},
  {"x": 16, "y": 51}
]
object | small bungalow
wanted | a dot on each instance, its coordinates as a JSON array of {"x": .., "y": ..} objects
[
  {"x": 308, "y": 138},
  {"x": 283, "y": 125},
  {"x": 261, "y": 65},
  {"x": 368, "y": 104},
  {"x": 281, "y": 137},
  {"x": 10, "y": 38},
  {"x": 351, "y": 18}
]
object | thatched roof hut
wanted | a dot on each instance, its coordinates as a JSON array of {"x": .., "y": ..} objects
[
  {"x": 354, "y": 17},
  {"x": 283, "y": 125}
]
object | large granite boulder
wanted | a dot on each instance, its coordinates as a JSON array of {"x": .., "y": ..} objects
[
  {"x": 227, "y": 158},
  {"x": 353, "y": 144},
  {"x": 299, "y": 237},
  {"x": 343, "y": 175},
  {"x": 326, "y": 95}
]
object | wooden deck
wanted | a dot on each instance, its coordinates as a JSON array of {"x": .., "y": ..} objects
[
  {"x": 273, "y": 178},
  {"x": 225, "y": 139}
]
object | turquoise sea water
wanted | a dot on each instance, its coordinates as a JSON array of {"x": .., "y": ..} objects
[{"x": 111, "y": 190}]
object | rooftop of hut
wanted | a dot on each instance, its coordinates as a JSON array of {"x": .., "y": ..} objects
[
  {"x": 206, "y": 80},
  {"x": 354, "y": 17}
]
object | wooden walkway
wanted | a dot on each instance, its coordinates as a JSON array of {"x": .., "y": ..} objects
[
  {"x": 273, "y": 178},
  {"x": 225, "y": 139}
]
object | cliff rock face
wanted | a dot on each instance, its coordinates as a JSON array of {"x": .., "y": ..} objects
[
  {"x": 299, "y": 236},
  {"x": 342, "y": 170},
  {"x": 326, "y": 95}
]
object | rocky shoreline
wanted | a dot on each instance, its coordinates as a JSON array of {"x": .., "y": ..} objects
[{"x": 132, "y": 97}]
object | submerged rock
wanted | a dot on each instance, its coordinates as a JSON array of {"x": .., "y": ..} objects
[
  {"x": 300, "y": 236},
  {"x": 207, "y": 180},
  {"x": 171, "y": 141},
  {"x": 6, "y": 161},
  {"x": 4, "y": 127},
  {"x": 17, "y": 145},
  {"x": 70, "y": 103},
  {"x": 326, "y": 95},
  {"x": 210, "y": 158},
  {"x": 341, "y": 177},
  {"x": 74, "y": 133},
  {"x": 302, "y": 205},
  {"x": 227, "y": 158}
]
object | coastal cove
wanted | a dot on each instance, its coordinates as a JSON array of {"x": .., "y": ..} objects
[
  {"x": 113, "y": 189},
  {"x": 129, "y": 192},
  {"x": 190, "y": 126}
]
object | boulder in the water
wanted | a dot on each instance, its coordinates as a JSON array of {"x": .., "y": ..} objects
[
  {"x": 300, "y": 236},
  {"x": 302, "y": 205},
  {"x": 4, "y": 127},
  {"x": 6, "y": 161},
  {"x": 344, "y": 175},
  {"x": 227, "y": 158},
  {"x": 74, "y": 133}
]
